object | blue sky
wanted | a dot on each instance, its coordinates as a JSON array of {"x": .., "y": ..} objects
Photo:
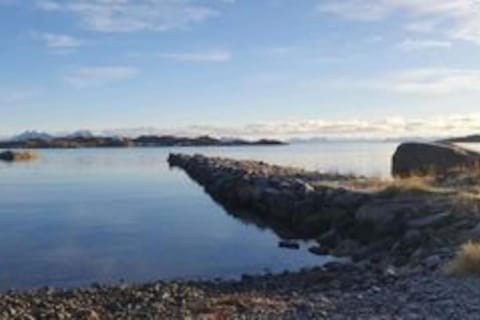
[{"x": 241, "y": 67}]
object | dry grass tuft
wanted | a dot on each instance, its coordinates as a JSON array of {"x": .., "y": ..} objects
[
  {"x": 467, "y": 260},
  {"x": 25, "y": 156},
  {"x": 412, "y": 184}
]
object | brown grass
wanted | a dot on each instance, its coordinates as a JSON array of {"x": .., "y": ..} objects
[
  {"x": 467, "y": 260},
  {"x": 412, "y": 184},
  {"x": 225, "y": 307}
]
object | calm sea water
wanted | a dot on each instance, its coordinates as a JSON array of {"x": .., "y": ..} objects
[{"x": 74, "y": 217}]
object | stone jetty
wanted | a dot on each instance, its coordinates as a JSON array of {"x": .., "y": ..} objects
[{"x": 293, "y": 196}]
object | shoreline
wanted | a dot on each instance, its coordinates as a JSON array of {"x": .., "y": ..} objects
[{"x": 335, "y": 291}]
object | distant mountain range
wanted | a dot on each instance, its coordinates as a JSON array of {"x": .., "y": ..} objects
[
  {"x": 37, "y": 135},
  {"x": 86, "y": 139}
]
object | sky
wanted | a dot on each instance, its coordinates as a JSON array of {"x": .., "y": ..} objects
[{"x": 273, "y": 68}]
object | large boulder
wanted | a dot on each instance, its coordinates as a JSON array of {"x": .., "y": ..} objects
[{"x": 431, "y": 158}]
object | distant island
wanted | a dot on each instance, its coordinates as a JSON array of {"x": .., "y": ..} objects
[
  {"x": 31, "y": 141},
  {"x": 467, "y": 139}
]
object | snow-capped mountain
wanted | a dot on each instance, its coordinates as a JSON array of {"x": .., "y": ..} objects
[
  {"x": 80, "y": 134},
  {"x": 29, "y": 135}
]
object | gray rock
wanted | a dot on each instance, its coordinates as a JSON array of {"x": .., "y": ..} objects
[
  {"x": 411, "y": 238},
  {"x": 288, "y": 245},
  {"x": 431, "y": 221},
  {"x": 385, "y": 215},
  {"x": 472, "y": 234},
  {"x": 391, "y": 272},
  {"x": 346, "y": 247},
  {"x": 433, "y": 261},
  {"x": 329, "y": 239},
  {"x": 319, "y": 250}
]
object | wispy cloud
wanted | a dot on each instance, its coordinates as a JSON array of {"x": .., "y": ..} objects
[
  {"x": 423, "y": 26},
  {"x": 420, "y": 81},
  {"x": 460, "y": 18},
  {"x": 15, "y": 96},
  {"x": 388, "y": 127},
  {"x": 59, "y": 43},
  {"x": 434, "y": 81},
  {"x": 369, "y": 10},
  {"x": 99, "y": 76},
  {"x": 214, "y": 56},
  {"x": 133, "y": 15},
  {"x": 423, "y": 44}
]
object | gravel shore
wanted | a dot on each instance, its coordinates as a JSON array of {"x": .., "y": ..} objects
[{"x": 336, "y": 292}]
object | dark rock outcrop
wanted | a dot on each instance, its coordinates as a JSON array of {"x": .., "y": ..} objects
[{"x": 414, "y": 158}]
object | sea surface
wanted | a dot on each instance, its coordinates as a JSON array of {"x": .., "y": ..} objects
[{"x": 74, "y": 217}]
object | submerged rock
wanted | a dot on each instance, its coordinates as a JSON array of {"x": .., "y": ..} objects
[
  {"x": 288, "y": 245},
  {"x": 414, "y": 158}
]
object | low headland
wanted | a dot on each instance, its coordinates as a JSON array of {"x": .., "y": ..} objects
[
  {"x": 406, "y": 246},
  {"x": 92, "y": 141}
]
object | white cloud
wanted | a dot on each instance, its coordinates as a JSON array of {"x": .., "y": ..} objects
[
  {"x": 355, "y": 9},
  {"x": 133, "y": 15},
  {"x": 207, "y": 56},
  {"x": 461, "y": 17},
  {"x": 424, "y": 26},
  {"x": 98, "y": 76},
  {"x": 213, "y": 56},
  {"x": 14, "y": 96},
  {"x": 60, "y": 42},
  {"x": 422, "y": 44},
  {"x": 421, "y": 81}
]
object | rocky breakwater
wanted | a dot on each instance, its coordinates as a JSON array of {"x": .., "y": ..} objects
[
  {"x": 386, "y": 225},
  {"x": 293, "y": 196}
]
